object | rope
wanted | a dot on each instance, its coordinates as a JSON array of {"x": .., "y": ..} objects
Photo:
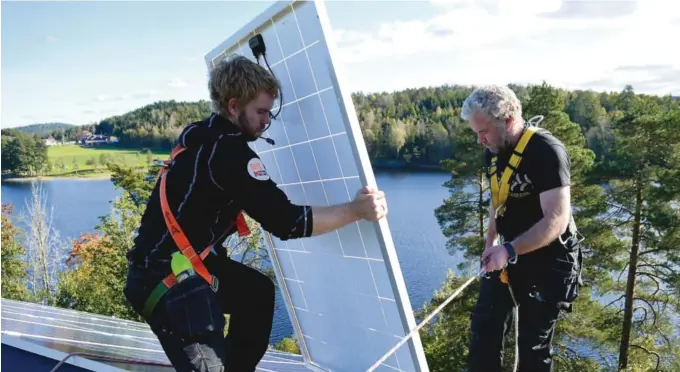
[
  {"x": 516, "y": 320},
  {"x": 110, "y": 359},
  {"x": 371, "y": 369},
  {"x": 429, "y": 317},
  {"x": 506, "y": 280}
]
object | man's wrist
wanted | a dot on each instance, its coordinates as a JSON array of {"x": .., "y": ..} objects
[
  {"x": 512, "y": 255},
  {"x": 354, "y": 209}
]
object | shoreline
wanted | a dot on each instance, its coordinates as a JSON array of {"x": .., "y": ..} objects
[
  {"x": 101, "y": 176},
  {"x": 378, "y": 167}
]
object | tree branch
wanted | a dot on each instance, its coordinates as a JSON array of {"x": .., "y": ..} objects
[
  {"x": 655, "y": 266},
  {"x": 649, "y": 251},
  {"x": 620, "y": 207},
  {"x": 645, "y": 311},
  {"x": 568, "y": 349},
  {"x": 611, "y": 303},
  {"x": 622, "y": 223},
  {"x": 622, "y": 270},
  {"x": 650, "y": 308},
  {"x": 663, "y": 335},
  {"x": 650, "y": 352},
  {"x": 653, "y": 278}
]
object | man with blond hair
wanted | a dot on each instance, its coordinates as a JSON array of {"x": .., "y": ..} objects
[
  {"x": 180, "y": 279},
  {"x": 536, "y": 265}
]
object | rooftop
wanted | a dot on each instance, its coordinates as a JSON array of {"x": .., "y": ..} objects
[{"x": 38, "y": 337}]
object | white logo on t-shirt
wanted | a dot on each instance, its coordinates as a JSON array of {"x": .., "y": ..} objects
[
  {"x": 257, "y": 170},
  {"x": 520, "y": 183}
]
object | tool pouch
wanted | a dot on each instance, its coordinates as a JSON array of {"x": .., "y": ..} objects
[
  {"x": 561, "y": 277},
  {"x": 193, "y": 309}
]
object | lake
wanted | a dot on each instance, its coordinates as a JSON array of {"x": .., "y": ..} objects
[{"x": 411, "y": 197}]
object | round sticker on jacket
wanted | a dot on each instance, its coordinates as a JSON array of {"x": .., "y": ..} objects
[{"x": 256, "y": 170}]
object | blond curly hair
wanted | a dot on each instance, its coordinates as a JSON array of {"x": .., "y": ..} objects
[{"x": 240, "y": 78}]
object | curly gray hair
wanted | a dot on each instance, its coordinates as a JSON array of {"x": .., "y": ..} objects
[{"x": 497, "y": 102}]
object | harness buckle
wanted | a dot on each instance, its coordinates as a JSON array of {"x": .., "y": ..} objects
[
  {"x": 215, "y": 284},
  {"x": 185, "y": 274},
  {"x": 499, "y": 211},
  {"x": 159, "y": 162}
]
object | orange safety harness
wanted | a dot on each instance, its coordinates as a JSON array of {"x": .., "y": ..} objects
[{"x": 182, "y": 241}]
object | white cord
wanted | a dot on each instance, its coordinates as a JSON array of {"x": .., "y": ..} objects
[
  {"x": 516, "y": 321},
  {"x": 429, "y": 317},
  {"x": 533, "y": 123}
]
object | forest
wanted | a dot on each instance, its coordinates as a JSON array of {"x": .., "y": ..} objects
[
  {"x": 625, "y": 155},
  {"x": 413, "y": 127}
]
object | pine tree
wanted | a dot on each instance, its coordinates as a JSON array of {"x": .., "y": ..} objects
[
  {"x": 463, "y": 215},
  {"x": 641, "y": 174}
]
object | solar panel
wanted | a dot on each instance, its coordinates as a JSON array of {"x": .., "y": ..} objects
[
  {"x": 53, "y": 333},
  {"x": 344, "y": 291}
]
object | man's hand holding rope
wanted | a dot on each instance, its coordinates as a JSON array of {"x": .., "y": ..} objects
[{"x": 495, "y": 258}]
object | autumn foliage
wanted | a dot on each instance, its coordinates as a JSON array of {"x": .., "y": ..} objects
[{"x": 88, "y": 249}]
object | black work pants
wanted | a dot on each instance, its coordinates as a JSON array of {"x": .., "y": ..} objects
[
  {"x": 189, "y": 320},
  {"x": 492, "y": 321},
  {"x": 543, "y": 286}
]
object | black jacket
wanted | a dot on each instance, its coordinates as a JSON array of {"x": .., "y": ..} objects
[{"x": 216, "y": 176}]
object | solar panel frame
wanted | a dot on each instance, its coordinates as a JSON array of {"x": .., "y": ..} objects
[
  {"x": 238, "y": 43},
  {"x": 16, "y": 341},
  {"x": 55, "y": 332}
]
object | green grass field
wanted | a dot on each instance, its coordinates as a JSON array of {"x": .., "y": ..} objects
[{"x": 76, "y": 161}]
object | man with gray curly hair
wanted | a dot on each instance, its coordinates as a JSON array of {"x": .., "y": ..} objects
[
  {"x": 180, "y": 278},
  {"x": 532, "y": 253},
  {"x": 497, "y": 106}
]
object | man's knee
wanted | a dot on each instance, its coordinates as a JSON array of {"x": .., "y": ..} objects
[
  {"x": 488, "y": 327},
  {"x": 264, "y": 289},
  {"x": 192, "y": 310},
  {"x": 262, "y": 285},
  {"x": 267, "y": 286},
  {"x": 208, "y": 354},
  {"x": 536, "y": 330}
]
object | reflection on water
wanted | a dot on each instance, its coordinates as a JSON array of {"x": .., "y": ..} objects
[{"x": 76, "y": 204}]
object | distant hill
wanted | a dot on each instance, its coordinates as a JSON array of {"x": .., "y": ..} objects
[
  {"x": 410, "y": 127},
  {"x": 43, "y": 129},
  {"x": 414, "y": 127},
  {"x": 154, "y": 126}
]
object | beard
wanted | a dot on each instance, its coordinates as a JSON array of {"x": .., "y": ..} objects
[
  {"x": 246, "y": 130},
  {"x": 502, "y": 143}
]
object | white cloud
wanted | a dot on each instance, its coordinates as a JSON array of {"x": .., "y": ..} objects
[
  {"x": 126, "y": 96},
  {"x": 570, "y": 44},
  {"x": 177, "y": 83},
  {"x": 51, "y": 39}
]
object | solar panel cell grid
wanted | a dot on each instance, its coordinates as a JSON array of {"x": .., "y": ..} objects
[
  {"x": 71, "y": 331},
  {"x": 344, "y": 290}
]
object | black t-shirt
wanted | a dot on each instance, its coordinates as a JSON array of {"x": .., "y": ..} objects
[{"x": 545, "y": 165}]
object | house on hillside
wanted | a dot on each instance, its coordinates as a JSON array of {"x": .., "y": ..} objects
[
  {"x": 89, "y": 139},
  {"x": 93, "y": 140},
  {"x": 50, "y": 141}
]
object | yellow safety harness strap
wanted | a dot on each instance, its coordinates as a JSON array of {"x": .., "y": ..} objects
[
  {"x": 501, "y": 189},
  {"x": 499, "y": 195}
]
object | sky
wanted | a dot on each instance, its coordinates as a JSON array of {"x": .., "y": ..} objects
[{"x": 81, "y": 62}]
